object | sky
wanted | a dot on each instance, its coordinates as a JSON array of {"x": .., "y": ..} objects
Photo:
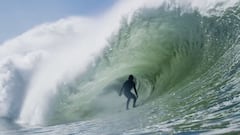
[{"x": 18, "y": 16}]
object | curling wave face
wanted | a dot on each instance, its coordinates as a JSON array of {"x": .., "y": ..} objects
[{"x": 186, "y": 67}]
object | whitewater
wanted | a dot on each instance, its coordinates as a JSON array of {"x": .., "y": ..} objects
[{"x": 64, "y": 77}]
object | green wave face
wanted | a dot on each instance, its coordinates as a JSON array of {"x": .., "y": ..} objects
[{"x": 186, "y": 66}]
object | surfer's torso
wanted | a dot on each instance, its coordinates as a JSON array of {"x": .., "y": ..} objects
[{"x": 128, "y": 85}]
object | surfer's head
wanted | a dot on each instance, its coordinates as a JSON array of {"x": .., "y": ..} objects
[{"x": 130, "y": 77}]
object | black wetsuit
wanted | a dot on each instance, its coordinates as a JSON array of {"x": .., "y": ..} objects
[{"x": 127, "y": 86}]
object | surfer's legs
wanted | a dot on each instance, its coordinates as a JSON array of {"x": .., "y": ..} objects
[
  {"x": 129, "y": 97},
  {"x": 128, "y": 100}
]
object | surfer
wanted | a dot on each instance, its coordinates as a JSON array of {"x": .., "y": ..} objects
[{"x": 126, "y": 89}]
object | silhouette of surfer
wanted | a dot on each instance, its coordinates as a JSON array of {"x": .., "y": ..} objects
[{"x": 126, "y": 89}]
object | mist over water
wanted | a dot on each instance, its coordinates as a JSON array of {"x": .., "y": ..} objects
[{"x": 184, "y": 55}]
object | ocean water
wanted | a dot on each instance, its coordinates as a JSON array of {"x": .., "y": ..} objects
[{"x": 184, "y": 56}]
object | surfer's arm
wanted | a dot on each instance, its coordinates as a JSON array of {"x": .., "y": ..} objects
[{"x": 134, "y": 86}]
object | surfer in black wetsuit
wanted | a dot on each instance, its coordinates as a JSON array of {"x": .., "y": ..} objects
[{"x": 126, "y": 88}]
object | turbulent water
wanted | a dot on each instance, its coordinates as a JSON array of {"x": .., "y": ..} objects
[{"x": 186, "y": 66}]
